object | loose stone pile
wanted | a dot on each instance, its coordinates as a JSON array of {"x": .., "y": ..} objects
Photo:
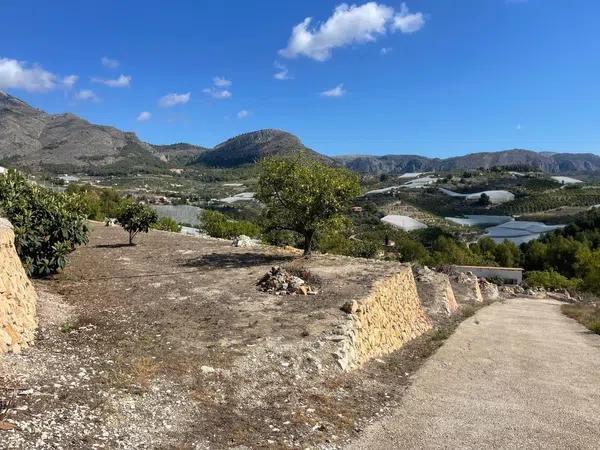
[{"x": 279, "y": 281}]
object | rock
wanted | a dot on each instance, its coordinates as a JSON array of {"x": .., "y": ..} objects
[
  {"x": 488, "y": 290},
  {"x": 279, "y": 281},
  {"x": 245, "y": 241},
  {"x": 350, "y": 307},
  {"x": 436, "y": 293},
  {"x": 207, "y": 369},
  {"x": 466, "y": 288}
]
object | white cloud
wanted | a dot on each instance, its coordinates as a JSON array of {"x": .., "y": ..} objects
[
  {"x": 243, "y": 114},
  {"x": 174, "y": 99},
  {"x": 282, "y": 71},
  {"x": 349, "y": 24},
  {"x": 221, "y": 82},
  {"x": 144, "y": 116},
  {"x": 70, "y": 80},
  {"x": 385, "y": 50},
  {"x": 110, "y": 63},
  {"x": 121, "y": 81},
  {"x": 20, "y": 75},
  {"x": 407, "y": 22},
  {"x": 219, "y": 94},
  {"x": 337, "y": 91},
  {"x": 86, "y": 95},
  {"x": 219, "y": 90}
]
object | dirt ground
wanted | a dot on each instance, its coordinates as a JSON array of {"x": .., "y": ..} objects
[{"x": 169, "y": 345}]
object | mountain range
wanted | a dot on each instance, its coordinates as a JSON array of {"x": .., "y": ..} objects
[{"x": 32, "y": 138}]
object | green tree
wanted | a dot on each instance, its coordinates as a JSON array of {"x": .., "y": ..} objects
[
  {"x": 48, "y": 225},
  {"x": 304, "y": 195},
  {"x": 484, "y": 200},
  {"x": 507, "y": 254},
  {"x": 136, "y": 218},
  {"x": 167, "y": 224},
  {"x": 217, "y": 224},
  {"x": 549, "y": 279}
]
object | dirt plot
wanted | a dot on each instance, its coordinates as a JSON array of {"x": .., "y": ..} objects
[{"x": 169, "y": 344}]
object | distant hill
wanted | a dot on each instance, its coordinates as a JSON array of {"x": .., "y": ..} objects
[
  {"x": 544, "y": 161},
  {"x": 34, "y": 139},
  {"x": 179, "y": 154},
  {"x": 249, "y": 148}
]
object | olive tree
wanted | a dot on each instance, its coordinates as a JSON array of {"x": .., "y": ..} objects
[
  {"x": 304, "y": 195},
  {"x": 136, "y": 218}
]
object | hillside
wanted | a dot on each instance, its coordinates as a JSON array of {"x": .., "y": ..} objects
[
  {"x": 179, "y": 154},
  {"x": 546, "y": 162},
  {"x": 248, "y": 148},
  {"x": 33, "y": 138}
]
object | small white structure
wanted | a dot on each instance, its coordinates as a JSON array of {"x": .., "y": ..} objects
[
  {"x": 411, "y": 174},
  {"x": 479, "y": 219},
  {"x": 404, "y": 222},
  {"x": 496, "y": 197},
  {"x": 243, "y": 197},
  {"x": 511, "y": 274},
  {"x": 420, "y": 183},
  {"x": 68, "y": 178},
  {"x": 386, "y": 190},
  {"x": 519, "y": 232},
  {"x": 566, "y": 180},
  {"x": 3, "y": 170}
]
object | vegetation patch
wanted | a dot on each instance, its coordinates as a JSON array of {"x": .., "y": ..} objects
[
  {"x": 48, "y": 225},
  {"x": 586, "y": 314}
]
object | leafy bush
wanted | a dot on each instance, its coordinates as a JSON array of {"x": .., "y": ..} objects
[
  {"x": 167, "y": 224},
  {"x": 136, "y": 218},
  {"x": 218, "y": 225},
  {"x": 48, "y": 225},
  {"x": 549, "y": 279},
  {"x": 97, "y": 203}
]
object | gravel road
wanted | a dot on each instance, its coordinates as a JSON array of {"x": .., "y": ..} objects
[{"x": 518, "y": 374}]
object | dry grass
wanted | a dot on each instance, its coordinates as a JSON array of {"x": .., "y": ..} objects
[
  {"x": 586, "y": 314},
  {"x": 144, "y": 371},
  {"x": 297, "y": 269}
]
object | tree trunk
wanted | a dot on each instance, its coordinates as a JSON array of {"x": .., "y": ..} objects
[
  {"x": 308, "y": 238},
  {"x": 131, "y": 236}
]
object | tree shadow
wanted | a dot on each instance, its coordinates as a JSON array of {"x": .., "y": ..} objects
[
  {"x": 235, "y": 260},
  {"x": 113, "y": 245}
]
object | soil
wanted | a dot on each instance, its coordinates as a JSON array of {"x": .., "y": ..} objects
[{"x": 169, "y": 344}]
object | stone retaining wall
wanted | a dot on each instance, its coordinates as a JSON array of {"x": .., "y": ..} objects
[
  {"x": 382, "y": 322},
  {"x": 17, "y": 296}
]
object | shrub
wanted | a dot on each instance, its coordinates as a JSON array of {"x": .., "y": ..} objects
[
  {"x": 218, "y": 225},
  {"x": 549, "y": 279},
  {"x": 586, "y": 314},
  {"x": 97, "y": 203},
  {"x": 48, "y": 225},
  {"x": 136, "y": 218},
  {"x": 167, "y": 224}
]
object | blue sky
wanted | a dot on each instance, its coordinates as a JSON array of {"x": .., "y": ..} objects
[{"x": 430, "y": 77}]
